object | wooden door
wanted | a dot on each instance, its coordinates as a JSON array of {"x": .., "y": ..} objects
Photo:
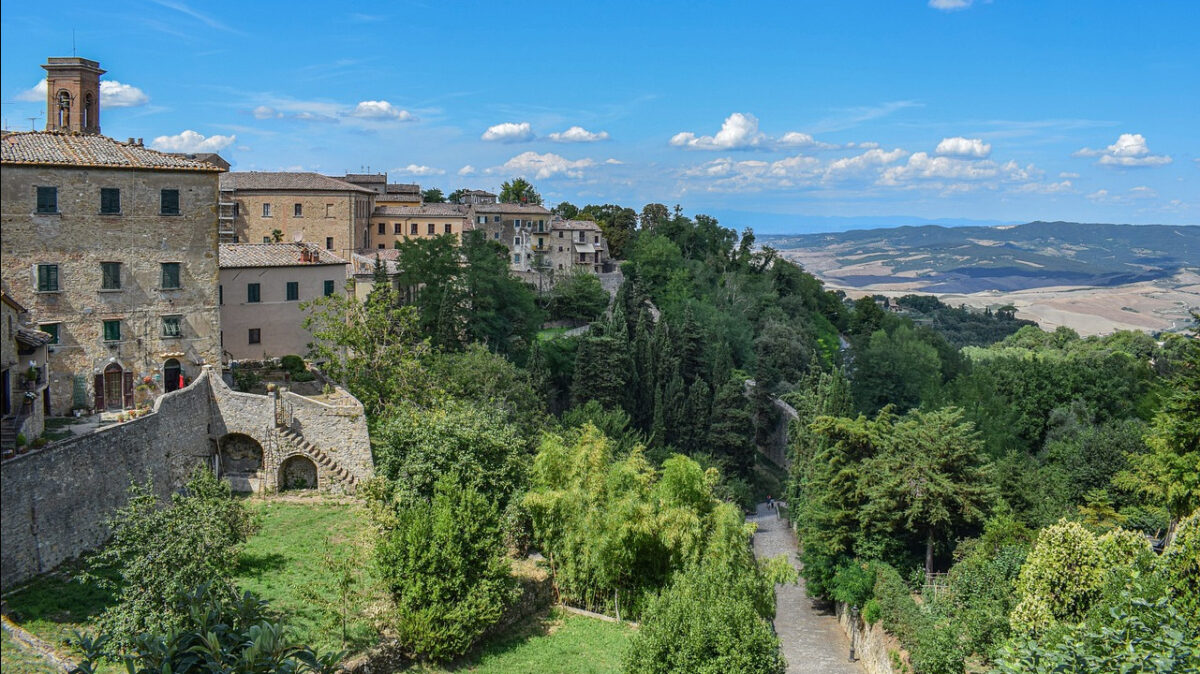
[{"x": 113, "y": 388}]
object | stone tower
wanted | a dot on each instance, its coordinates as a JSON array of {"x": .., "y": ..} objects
[{"x": 72, "y": 95}]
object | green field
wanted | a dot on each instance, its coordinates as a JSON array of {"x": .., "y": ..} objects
[{"x": 291, "y": 562}]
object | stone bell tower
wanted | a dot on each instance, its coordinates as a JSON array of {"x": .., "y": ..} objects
[{"x": 72, "y": 95}]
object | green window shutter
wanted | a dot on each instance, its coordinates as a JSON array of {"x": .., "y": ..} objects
[
  {"x": 330, "y": 288},
  {"x": 170, "y": 202},
  {"x": 110, "y": 275},
  {"x": 253, "y": 292},
  {"x": 293, "y": 291},
  {"x": 47, "y": 199},
  {"x": 110, "y": 201},
  {"x": 170, "y": 275},
  {"x": 112, "y": 331},
  {"x": 47, "y": 278}
]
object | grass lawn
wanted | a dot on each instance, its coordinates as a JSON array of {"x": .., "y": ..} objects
[
  {"x": 17, "y": 660},
  {"x": 559, "y": 642}
]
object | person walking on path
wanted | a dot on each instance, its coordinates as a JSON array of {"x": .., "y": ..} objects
[{"x": 810, "y": 637}]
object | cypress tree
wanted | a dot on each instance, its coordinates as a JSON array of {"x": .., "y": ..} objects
[
  {"x": 731, "y": 433},
  {"x": 695, "y": 422}
]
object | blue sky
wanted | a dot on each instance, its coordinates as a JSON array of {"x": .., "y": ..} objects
[{"x": 788, "y": 116}]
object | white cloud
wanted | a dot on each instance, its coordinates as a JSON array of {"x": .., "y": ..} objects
[
  {"x": 578, "y": 134},
  {"x": 950, "y": 5},
  {"x": 738, "y": 132},
  {"x": 1045, "y": 188},
  {"x": 509, "y": 132},
  {"x": 613, "y": 162},
  {"x": 1143, "y": 192},
  {"x": 1130, "y": 150},
  {"x": 963, "y": 147},
  {"x": 190, "y": 141},
  {"x": 1068, "y": 174},
  {"x": 381, "y": 110},
  {"x": 846, "y": 167},
  {"x": 419, "y": 170},
  {"x": 542, "y": 166},
  {"x": 923, "y": 170},
  {"x": 266, "y": 112},
  {"x": 467, "y": 170},
  {"x": 1098, "y": 195},
  {"x": 113, "y": 94}
]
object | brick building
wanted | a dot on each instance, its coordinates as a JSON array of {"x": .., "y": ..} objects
[
  {"x": 112, "y": 247},
  {"x": 392, "y": 224},
  {"x": 310, "y": 207}
]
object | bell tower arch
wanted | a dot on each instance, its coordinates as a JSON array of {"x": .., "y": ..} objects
[{"x": 72, "y": 95}]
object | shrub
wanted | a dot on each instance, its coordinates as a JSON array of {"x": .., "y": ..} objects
[
  {"x": 245, "y": 380},
  {"x": 161, "y": 553},
  {"x": 443, "y": 562},
  {"x": 853, "y": 583},
  {"x": 1180, "y": 566},
  {"x": 871, "y": 611},
  {"x": 293, "y": 364}
]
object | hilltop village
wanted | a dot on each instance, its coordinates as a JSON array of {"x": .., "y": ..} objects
[{"x": 295, "y": 422}]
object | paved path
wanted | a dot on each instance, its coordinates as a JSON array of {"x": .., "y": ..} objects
[{"x": 811, "y": 639}]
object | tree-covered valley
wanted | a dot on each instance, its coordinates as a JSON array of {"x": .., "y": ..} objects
[{"x": 997, "y": 497}]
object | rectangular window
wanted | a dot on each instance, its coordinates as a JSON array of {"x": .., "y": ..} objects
[
  {"x": 397, "y": 229},
  {"x": 52, "y": 330},
  {"x": 496, "y": 235},
  {"x": 47, "y": 280},
  {"x": 560, "y": 235},
  {"x": 110, "y": 275},
  {"x": 112, "y": 331},
  {"x": 170, "y": 276},
  {"x": 597, "y": 239},
  {"x": 170, "y": 326},
  {"x": 517, "y": 258},
  {"x": 170, "y": 202},
  {"x": 516, "y": 240},
  {"x": 293, "y": 291},
  {"x": 266, "y": 210},
  {"x": 110, "y": 201},
  {"x": 220, "y": 294},
  {"x": 381, "y": 246},
  {"x": 329, "y": 243},
  {"x": 517, "y": 222},
  {"x": 266, "y": 239},
  {"x": 496, "y": 218},
  {"x": 382, "y": 228},
  {"x": 255, "y": 335},
  {"x": 297, "y": 210},
  {"x": 413, "y": 229},
  {"x": 432, "y": 229},
  {"x": 329, "y": 288},
  {"x": 329, "y": 210},
  {"x": 237, "y": 210},
  {"x": 481, "y": 220},
  {"x": 253, "y": 293},
  {"x": 448, "y": 229},
  {"x": 47, "y": 199}
]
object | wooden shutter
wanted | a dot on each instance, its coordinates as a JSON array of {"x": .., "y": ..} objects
[
  {"x": 128, "y": 389},
  {"x": 99, "y": 382}
]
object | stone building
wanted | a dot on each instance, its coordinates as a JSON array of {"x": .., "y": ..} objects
[
  {"x": 257, "y": 207},
  {"x": 513, "y": 225},
  {"x": 476, "y": 197},
  {"x": 23, "y": 377},
  {"x": 113, "y": 249},
  {"x": 386, "y": 194},
  {"x": 392, "y": 224},
  {"x": 570, "y": 245},
  {"x": 262, "y": 286}
]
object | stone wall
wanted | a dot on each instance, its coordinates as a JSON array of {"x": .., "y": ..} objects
[
  {"x": 55, "y": 501},
  {"x": 872, "y": 645},
  {"x": 339, "y": 429}
]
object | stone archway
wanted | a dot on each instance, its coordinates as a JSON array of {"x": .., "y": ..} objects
[
  {"x": 298, "y": 472},
  {"x": 240, "y": 458},
  {"x": 172, "y": 371}
]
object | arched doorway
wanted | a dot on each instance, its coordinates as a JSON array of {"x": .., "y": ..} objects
[
  {"x": 298, "y": 472},
  {"x": 239, "y": 460},
  {"x": 172, "y": 372},
  {"x": 114, "y": 392}
]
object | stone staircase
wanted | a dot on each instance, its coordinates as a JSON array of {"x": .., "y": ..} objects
[
  {"x": 8, "y": 437},
  {"x": 325, "y": 463}
]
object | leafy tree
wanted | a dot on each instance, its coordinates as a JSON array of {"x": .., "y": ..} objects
[
  {"x": 373, "y": 348},
  {"x": 276, "y": 235},
  {"x": 444, "y": 562},
  {"x": 566, "y": 210},
  {"x": 429, "y": 269},
  {"x": 502, "y": 313},
  {"x": 731, "y": 433},
  {"x": 617, "y": 223},
  {"x": 219, "y": 631},
  {"x": 578, "y": 297},
  {"x": 602, "y": 368},
  {"x": 414, "y": 447},
  {"x": 654, "y": 215},
  {"x": 896, "y": 368},
  {"x": 162, "y": 553},
  {"x": 929, "y": 478},
  {"x": 519, "y": 191},
  {"x": 433, "y": 196},
  {"x": 489, "y": 380},
  {"x": 457, "y": 195}
]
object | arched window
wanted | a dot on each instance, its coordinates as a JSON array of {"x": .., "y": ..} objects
[
  {"x": 64, "y": 109},
  {"x": 87, "y": 111},
  {"x": 172, "y": 375}
]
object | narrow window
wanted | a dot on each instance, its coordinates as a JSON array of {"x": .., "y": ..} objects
[
  {"x": 170, "y": 202},
  {"x": 266, "y": 210},
  {"x": 293, "y": 291},
  {"x": 170, "y": 326},
  {"x": 329, "y": 243},
  {"x": 297, "y": 210},
  {"x": 496, "y": 235},
  {"x": 382, "y": 228},
  {"x": 52, "y": 330},
  {"x": 517, "y": 258},
  {"x": 329, "y": 210},
  {"x": 597, "y": 239},
  {"x": 432, "y": 229},
  {"x": 448, "y": 229},
  {"x": 496, "y": 219},
  {"x": 220, "y": 294},
  {"x": 110, "y": 201},
  {"x": 170, "y": 276},
  {"x": 255, "y": 335},
  {"x": 47, "y": 199},
  {"x": 397, "y": 229},
  {"x": 560, "y": 235},
  {"x": 517, "y": 222},
  {"x": 253, "y": 293},
  {"x": 412, "y": 229},
  {"x": 110, "y": 275},
  {"x": 47, "y": 281},
  {"x": 380, "y": 246},
  {"x": 112, "y": 331},
  {"x": 237, "y": 209},
  {"x": 329, "y": 288}
]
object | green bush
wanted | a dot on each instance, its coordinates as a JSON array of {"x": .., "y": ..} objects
[
  {"x": 853, "y": 583},
  {"x": 292, "y": 364},
  {"x": 245, "y": 380},
  {"x": 1180, "y": 566},
  {"x": 871, "y": 611},
  {"x": 443, "y": 562}
]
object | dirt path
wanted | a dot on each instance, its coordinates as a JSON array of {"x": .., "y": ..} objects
[{"x": 809, "y": 635}]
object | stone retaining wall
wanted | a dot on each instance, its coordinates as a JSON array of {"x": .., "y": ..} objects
[
  {"x": 339, "y": 430},
  {"x": 871, "y": 643},
  {"x": 55, "y": 501}
]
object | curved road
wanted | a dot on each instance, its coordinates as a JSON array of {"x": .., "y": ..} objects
[{"x": 810, "y": 637}]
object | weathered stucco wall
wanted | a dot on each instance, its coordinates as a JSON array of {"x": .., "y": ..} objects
[{"x": 54, "y": 502}]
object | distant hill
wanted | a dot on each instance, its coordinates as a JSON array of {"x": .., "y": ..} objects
[{"x": 937, "y": 259}]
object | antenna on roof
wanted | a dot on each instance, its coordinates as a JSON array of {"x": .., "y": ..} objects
[{"x": 31, "y": 121}]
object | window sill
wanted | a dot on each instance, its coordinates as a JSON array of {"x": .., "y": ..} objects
[
  {"x": 110, "y": 215},
  {"x": 47, "y": 292},
  {"x": 171, "y": 336},
  {"x": 111, "y": 290},
  {"x": 170, "y": 215},
  {"x": 169, "y": 289},
  {"x": 47, "y": 212}
]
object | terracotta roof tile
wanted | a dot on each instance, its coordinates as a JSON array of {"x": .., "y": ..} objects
[
  {"x": 424, "y": 209},
  {"x": 286, "y": 180},
  {"x": 52, "y": 148},
  {"x": 240, "y": 255}
]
